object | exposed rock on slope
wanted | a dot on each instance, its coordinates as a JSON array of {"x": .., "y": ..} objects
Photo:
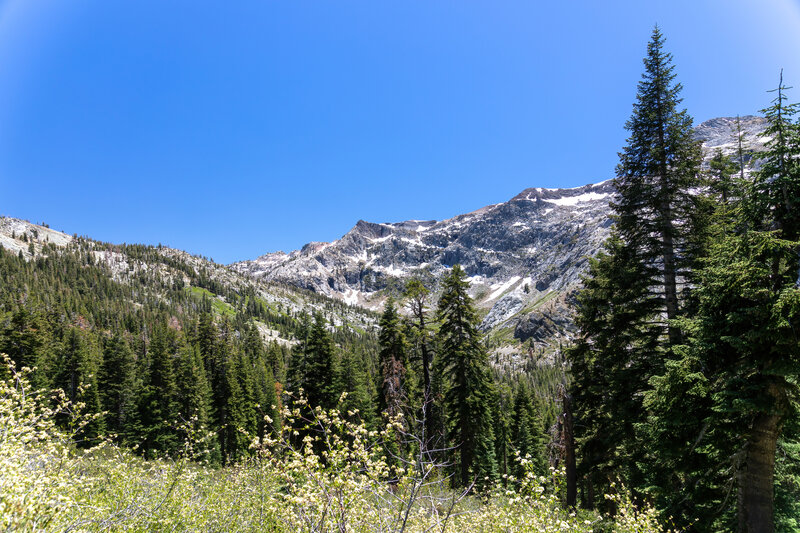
[
  {"x": 159, "y": 267},
  {"x": 524, "y": 256},
  {"x": 535, "y": 242}
]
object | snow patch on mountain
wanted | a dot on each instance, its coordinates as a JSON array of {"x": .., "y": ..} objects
[
  {"x": 574, "y": 200},
  {"x": 501, "y": 288},
  {"x": 524, "y": 258}
]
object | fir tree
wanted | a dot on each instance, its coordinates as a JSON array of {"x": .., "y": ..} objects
[
  {"x": 728, "y": 393},
  {"x": 468, "y": 392},
  {"x": 527, "y": 431},
  {"x": 502, "y": 416},
  {"x": 193, "y": 393},
  {"x": 352, "y": 379},
  {"x": 117, "y": 386},
  {"x": 773, "y": 200},
  {"x": 633, "y": 293},
  {"x": 746, "y": 335},
  {"x": 761, "y": 299},
  {"x": 263, "y": 381},
  {"x": 392, "y": 397},
  {"x": 77, "y": 376},
  {"x": 158, "y": 410},
  {"x": 416, "y": 296},
  {"x": 239, "y": 424},
  {"x": 657, "y": 172},
  {"x": 26, "y": 338},
  {"x": 318, "y": 381},
  {"x": 611, "y": 363}
]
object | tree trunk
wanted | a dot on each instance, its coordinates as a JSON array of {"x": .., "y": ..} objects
[
  {"x": 569, "y": 459},
  {"x": 670, "y": 277},
  {"x": 429, "y": 429},
  {"x": 568, "y": 442},
  {"x": 589, "y": 504},
  {"x": 756, "y": 477}
]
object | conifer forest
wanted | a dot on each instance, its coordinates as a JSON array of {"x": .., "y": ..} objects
[{"x": 145, "y": 389}]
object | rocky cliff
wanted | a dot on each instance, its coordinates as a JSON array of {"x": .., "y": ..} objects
[{"x": 524, "y": 257}]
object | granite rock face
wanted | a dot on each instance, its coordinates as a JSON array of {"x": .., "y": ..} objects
[{"x": 524, "y": 257}]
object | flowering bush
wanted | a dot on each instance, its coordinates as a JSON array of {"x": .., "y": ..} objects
[{"x": 320, "y": 472}]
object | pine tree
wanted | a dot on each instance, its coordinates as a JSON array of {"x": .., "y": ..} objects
[
  {"x": 611, "y": 362},
  {"x": 193, "y": 393},
  {"x": 320, "y": 366},
  {"x": 468, "y": 392},
  {"x": 117, "y": 386},
  {"x": 416, "y": 296},
  {"x": 392, "y": 397},
  {"x": 527, "y": 432},
  {"x": 657, "y": 173},
  {"x": 158, "y": 410}
]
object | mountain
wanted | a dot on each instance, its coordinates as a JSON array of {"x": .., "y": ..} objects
[
  {"x": 161, "y": 277},
  {"x": 524, "y": 257}
]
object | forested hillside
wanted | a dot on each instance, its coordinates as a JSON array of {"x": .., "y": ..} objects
[{"x": 150, "y": 336}]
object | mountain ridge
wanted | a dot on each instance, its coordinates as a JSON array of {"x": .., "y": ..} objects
[{"x": 521, "y": 255}]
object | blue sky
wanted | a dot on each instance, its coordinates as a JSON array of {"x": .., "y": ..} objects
[{"x": 232, "y": 129}]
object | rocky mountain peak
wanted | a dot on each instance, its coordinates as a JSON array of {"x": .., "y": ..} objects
[{"x": 524, "y": 257}]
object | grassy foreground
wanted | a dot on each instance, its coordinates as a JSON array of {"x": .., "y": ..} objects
[{"x": 46, "y": 483}]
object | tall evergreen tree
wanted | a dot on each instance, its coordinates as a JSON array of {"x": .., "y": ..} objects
[
  {"x": 527, "y": 431},
  {"x": 158, "y": 410},
  {"x": 762, "y": 302},
  {"x": 656, "y": 176},
  {"x": 76, "y": 375},
  {"x": 25, "y": 337},
  {"x": 320, "y": 366},
  {"x": 468, "y": 392},
  {"x": 633, "y": 292},
  {"x": 193, "y": 393},
  {"x": 352, "y": 379},
  {"x": 392, "y": 357},
  {"x": 729, "y": 392},
  {"x": 416, "y": 296},
  {"x": 265, "y": 401},
  {"x": 502, "y": 416},
  {"x": 611, "y": 363},
  {"x": 297, "y": 368},
  {"x": 239, "y": 424},
  {"x": 117, "y": 385}
]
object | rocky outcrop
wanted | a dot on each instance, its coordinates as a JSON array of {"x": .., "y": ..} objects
[{"x": 517, "y": 253}]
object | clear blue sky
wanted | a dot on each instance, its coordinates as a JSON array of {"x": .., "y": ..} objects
[{"x": 230, "y": 129}]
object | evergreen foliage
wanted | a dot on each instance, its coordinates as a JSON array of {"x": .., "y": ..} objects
[
  {"x": 656, "y": 176},
  {"x": 157, "y": 355},
  {"x": 685, "y": 374},
  {"x": 392, "y": 356},
  {"x": 319, "y": 377},
  {"x": 468, "y": 391}
]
